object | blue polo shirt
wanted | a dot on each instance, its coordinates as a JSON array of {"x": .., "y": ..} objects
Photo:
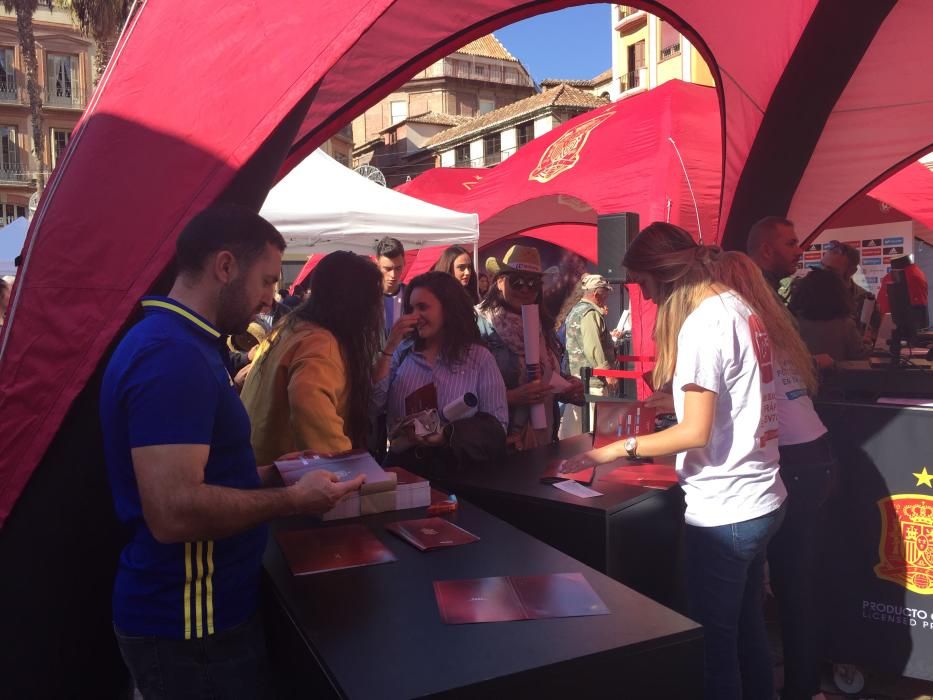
[{"x": 167, "y": 383}]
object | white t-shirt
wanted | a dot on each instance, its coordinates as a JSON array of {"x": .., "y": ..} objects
[
  {"x": 724, "y": 348},
  {"x": 798, "y": 422}
]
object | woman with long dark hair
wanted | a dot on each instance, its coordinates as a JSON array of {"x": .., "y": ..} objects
[
  {"x": 309, "y": 388},
  {"x": 717, "y": 347},
  {"x": 457, "y": 262},
  {"x": 823, "y": 307},
  {"x": 446, "y": 351},
  {"x": 517, "y": 281}
]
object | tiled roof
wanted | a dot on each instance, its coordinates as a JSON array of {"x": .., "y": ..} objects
[
  {"x": 603, "y": 77},
  {"x": 435, "y": 118},
  {"x": 489, "y": 47},
  {"x": 562, "y": 95},
  {"x": 554, "y": 82}
]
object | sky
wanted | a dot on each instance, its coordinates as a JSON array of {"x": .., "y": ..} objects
[{"x": 574, "y": 43}]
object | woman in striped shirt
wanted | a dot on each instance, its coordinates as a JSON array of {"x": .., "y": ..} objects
[{"x": 445, "y": 350}]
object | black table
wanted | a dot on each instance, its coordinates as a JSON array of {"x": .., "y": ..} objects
[
  {"x": 375, "y": 632},
  {"x": 631, "y": 533}
]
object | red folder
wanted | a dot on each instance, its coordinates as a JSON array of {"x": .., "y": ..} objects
[
  {"x": 331, "y": 548},
  {"x": 552, "y": 474},
  {"x": 506, "y": 598},
  {"x": 431, "y": 533},
  {"x": 421, "y": 399},
  {"x": 655, "y": 476}
]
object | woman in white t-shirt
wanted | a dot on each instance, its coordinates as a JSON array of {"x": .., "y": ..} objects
[
  {"x": 809, "y": 471},
  {"x": 716, "y": 350}
]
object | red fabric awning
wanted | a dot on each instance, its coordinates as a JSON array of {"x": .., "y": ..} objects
[{"x": 803, "y": 86}]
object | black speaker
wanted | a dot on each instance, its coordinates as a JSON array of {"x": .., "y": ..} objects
[{"x": 614, "y": 232}]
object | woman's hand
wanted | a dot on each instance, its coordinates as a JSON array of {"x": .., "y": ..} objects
[
  {"x": 586, "y": 460},
  {"x": 403, "y": 326},
  {"x": 530, "y": 393},
  {"x": 573, "y": 393}
]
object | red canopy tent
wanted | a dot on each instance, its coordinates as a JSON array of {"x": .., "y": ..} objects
[
  {"x": 909, "y": 191},
  {"x": 803, "y": 86},
  {"x": 800, "y": 82}
]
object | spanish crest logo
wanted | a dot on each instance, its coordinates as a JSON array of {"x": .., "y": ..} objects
[
  {"x": 906, "y": 547},
  {"x": 564, "y": 153}
]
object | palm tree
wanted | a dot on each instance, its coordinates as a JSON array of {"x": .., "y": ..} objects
[
  {"x": 101, "y": 20},
  {"x": 24, "y": 10}
]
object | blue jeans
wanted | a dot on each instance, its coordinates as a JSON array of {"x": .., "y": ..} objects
[
  {"x": 725, "y": 578},
  {"x": 809, "y": 472},
  {"x": 228, "y": 664}
]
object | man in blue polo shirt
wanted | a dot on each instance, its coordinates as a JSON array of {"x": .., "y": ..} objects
[{"x": 184, "y": 479}]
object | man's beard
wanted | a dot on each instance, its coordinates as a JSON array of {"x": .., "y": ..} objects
[{"x": 233, "y": 310}]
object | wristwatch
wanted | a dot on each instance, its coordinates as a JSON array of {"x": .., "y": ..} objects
[{"x": 631, "y": 447}]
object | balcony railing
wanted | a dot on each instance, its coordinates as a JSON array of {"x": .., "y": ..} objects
[
  {"x": 670, "y": 51},
  {"x": 487, "y": 73},
  {"x": 630, "y": 80},
  {"x": 8, "y": 89},
  {"x": 68, "y": 97},
  {"x": 629, "y": 15},
  {"x": 13, "y": 172}
]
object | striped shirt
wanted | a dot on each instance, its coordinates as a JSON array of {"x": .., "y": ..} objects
[{"x": 477, "y": 373}]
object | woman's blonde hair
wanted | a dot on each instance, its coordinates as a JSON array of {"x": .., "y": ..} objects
[
  {"x": 684, "y": 273},
  {"x": 739, "y": 272}
]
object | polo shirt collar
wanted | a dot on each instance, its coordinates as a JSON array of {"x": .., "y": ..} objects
[{"x": 190, "y": 317}]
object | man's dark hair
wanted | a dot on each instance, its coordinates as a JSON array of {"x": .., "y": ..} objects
[
  {"x": 225, "y": 226},
  {"x": 763, "y": 229},
  {"x": 389, "y": 248},
  {"x": 820, "y": 295}
]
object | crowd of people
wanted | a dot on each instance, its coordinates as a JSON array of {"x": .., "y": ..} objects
[{"x": 189, "y": 451}]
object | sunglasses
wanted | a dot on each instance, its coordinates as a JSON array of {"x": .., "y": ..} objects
[{"x": 519, "y": 283}]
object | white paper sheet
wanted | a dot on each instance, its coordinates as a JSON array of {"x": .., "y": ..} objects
[{"x": 575, "y": 488}]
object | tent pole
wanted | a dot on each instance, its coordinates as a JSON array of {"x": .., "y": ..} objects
[{"x": 476, "y": 259}]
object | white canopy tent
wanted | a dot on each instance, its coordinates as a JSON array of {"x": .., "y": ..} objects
[
  {"x": 322, "y": 206},
  {"x": 12, "y": 237}
]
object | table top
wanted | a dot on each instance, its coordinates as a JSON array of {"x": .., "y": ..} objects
[
  {"x": 520, "y": 474},
  {"x": 378, "y": 632}
]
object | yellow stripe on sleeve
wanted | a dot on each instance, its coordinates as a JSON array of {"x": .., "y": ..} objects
[
  {"x": 187, "y": 590},
  {"x": 210, "y": 586},
  {"x": 197, "y": 593}
]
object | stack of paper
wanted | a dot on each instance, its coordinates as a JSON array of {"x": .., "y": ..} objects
[{"x": 412, "y": 490}]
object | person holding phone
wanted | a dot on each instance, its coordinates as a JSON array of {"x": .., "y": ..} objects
[{"x": 717, "y": 347}]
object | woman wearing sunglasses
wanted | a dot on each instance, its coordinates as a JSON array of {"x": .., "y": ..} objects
[{"x": 516, "y": 282}]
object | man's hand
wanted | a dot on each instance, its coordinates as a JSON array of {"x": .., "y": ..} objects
[
  {"x": 530, "y": 393},
  {"x": 661, "y": 401},
  {"x": 401, "y": 328},
  {"x": 319, "y": 491}
]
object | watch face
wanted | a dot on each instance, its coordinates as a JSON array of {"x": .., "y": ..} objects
[{"x": 629, "y": 444}]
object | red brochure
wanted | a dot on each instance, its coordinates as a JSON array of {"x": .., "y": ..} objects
[
  {"x": 654, "y": 476},
  {"x": 506, "y": 598},
  {"x": 331, "y": 548},
  {"x": 617, "y": 420},
  {"x": 421, "y": 399},
  {"x": 431, "y": 533},
  {"x": 553, "y": 474}
]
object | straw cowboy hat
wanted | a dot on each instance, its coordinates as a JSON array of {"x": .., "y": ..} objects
[{"x": 518, "y": 258}]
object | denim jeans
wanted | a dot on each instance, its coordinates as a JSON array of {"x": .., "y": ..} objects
[
  {"x": 725, "y": 578},
  {"x": 809, "y": 472},
  {"x": 228, "y": 664}
]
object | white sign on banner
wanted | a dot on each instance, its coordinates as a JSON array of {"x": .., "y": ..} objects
[{"x": 876, "y": 244}]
